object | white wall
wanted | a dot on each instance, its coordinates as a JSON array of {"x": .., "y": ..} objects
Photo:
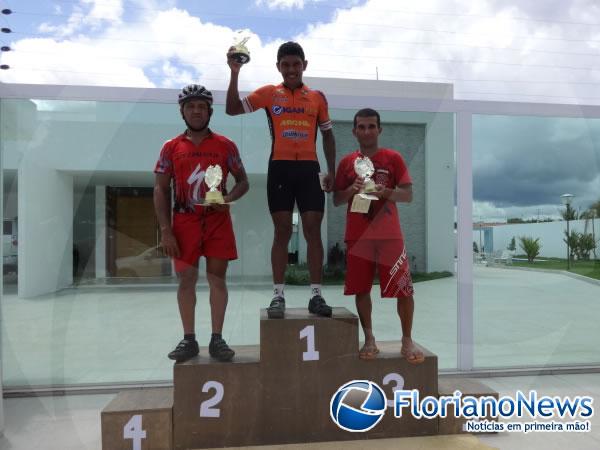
[
  {"x": 551, "y": 235},
  {"x": 45, "y": 228}
]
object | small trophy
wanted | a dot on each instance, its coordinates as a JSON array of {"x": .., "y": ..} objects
[
  {"x": 363, "y": 167},
  {"x": 213, "y": 177},
  {"x": 241, "y": 54}
]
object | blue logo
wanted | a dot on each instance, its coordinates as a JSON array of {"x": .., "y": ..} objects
[
  {"x": 278, "y": 110},
  {"x": 295, "y": 135},
  {"x": 358, "y": 406}
]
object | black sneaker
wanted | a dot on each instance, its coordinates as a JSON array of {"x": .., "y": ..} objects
[
  {"x": 277, "y": 308},
  {"x": 219, "y": 350},
  {"x": 184, "y": 350},
  {"x": 317, "y": 305}
]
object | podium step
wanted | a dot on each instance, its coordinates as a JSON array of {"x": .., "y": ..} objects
[
  {"x": 277, "y": 393},
  {"x": 475, "y": 388},
  {"x": 140, "y": 418},
  {"x": 217, "y": 404}
]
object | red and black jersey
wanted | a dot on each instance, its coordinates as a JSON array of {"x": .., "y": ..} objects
[{"x": 186, "y": 163}]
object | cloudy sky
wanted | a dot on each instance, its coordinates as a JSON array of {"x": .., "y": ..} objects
[{"x": 515, "y": 50}]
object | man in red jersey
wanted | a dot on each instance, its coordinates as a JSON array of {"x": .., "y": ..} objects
[
  {"x": 375, "y": 238},
  {"x": 197, "y": 229},
  {"x": 294, "y": 112}
]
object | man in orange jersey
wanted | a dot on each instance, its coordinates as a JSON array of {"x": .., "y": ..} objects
[{"x": 294, "y": 112}]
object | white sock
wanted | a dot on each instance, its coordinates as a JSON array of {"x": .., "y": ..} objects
[
  {"x": 315, "y": 289},
  {"x": 278, "y": 290}
]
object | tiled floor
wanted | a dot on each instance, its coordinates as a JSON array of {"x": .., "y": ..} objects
[
  {"x": 117, "y": 333},
  {"x": 521, "y": 318},
  {"x": 73, "y": 422}
]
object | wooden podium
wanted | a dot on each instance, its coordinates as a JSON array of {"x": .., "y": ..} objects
[{"x": 278, "y": 392}]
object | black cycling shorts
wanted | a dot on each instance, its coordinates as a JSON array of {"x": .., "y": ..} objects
[{"x": 290, "y": 182}]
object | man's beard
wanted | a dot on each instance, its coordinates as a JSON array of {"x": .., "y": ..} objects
[{"x": 197, "y": 130}]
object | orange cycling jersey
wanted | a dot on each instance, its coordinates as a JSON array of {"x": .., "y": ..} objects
[{"x": 293, "y": 118}]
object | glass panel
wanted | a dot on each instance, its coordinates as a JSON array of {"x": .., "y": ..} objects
[
  {"x": 90, "y": 298},
  {"x": 533, "y": 307}
]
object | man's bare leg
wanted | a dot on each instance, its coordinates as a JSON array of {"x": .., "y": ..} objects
[
  {"x": 311, "y": 227},
  {"x": 364, "y": 308},
  {"x": 216, "y": 270},
  {"x": 186, "y": 298},
  {"x": 406, "y": 308},
  {"x": 282, "y": 223}
]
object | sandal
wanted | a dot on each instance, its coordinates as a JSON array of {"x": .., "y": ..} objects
[
  {"x": 368, "y": 351},
  {"x": 412, "y": 354}
]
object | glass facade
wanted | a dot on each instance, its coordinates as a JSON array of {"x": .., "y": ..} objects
[
  {"x": 88, "y": 296},
  {"x": 530, "y": 307}
]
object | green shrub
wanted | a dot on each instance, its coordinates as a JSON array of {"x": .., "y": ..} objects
[{"x": 530, "y": 246}]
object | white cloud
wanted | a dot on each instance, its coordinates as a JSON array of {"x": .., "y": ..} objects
[
  {"x": 487, "y": 48},
  {"x": 284, "y": 4},
  {"x": 101, "y": 10},
  {"x": 88, "y": 15}
]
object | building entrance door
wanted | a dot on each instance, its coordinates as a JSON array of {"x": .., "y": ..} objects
[{"x": 134, "y": 235}]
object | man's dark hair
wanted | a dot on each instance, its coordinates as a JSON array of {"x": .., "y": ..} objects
[
  {"x": 290, "y": 48},
  {"x": 367, "y": 112}
]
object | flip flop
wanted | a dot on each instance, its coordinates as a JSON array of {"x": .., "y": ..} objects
[
  {"x": 369, "y": 352},
  {"x": 413, "y": 357}
]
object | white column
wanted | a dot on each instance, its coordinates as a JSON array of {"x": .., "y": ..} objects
[
  {"x": 45, "y": 207},
  {"x": 100, "y": 252},
  {"x": 464, "y": 164},
  {"x": 439, "y": 193}
]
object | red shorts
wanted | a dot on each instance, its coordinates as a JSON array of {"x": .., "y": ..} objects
[
  {"x": 392, "y": 265},
  {"x": 201, "y": 234}
]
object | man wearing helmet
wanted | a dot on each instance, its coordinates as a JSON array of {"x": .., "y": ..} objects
[
  {"x": 294, "y": 111},
  {"x": 196, "y": 229}
]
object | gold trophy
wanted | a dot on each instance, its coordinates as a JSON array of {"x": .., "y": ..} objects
[
  {"x": 241, "y": 54},
  {"x": 212, "y": 178}
]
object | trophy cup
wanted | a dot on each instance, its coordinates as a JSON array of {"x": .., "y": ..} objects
[
  {"x": 363, "y": 167},
  {"x": 241, "y": 54},
  {"x": 213, "y": 177}
]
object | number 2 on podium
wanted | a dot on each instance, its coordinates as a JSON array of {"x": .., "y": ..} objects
[
  {"x": 207, "y": 407},
  {"x": 310, "y": 354}
]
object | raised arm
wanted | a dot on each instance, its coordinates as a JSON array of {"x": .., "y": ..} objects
[{"x": 233, "y": 104}]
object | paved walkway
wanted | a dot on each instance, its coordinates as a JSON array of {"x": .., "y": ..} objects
[{"x": 117, "y": 334}]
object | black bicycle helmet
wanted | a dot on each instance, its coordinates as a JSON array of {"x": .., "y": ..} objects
[{"x": 193, "y": 91}]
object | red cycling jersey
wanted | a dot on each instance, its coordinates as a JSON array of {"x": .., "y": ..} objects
[
  {"x": 381, "y": 222},
  {"x": 293, "y": 118},
  {"x": 186, "y": 163}
]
